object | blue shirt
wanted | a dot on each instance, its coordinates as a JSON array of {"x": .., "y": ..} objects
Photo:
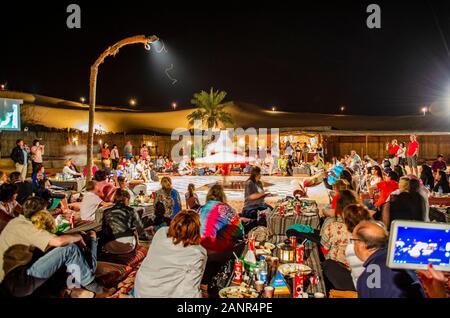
[{"x": 393, "y": 283}]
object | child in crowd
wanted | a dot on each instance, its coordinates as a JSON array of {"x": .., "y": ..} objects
[{"x": 91, "y": 202}]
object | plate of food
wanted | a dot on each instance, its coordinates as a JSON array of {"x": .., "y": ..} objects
[
  {"x": 238, "y": 292},
  {"x": 264, "y": 245},
  {"x": 291, "y": 269}
]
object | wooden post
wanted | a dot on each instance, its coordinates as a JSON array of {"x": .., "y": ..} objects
[
  {"x": 112, "y": 50},
  {"x": 367, "y": 145}
]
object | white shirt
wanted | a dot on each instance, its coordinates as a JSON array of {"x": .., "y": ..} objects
[
  {"x": 169, "y": 270},
  {"x": 68, "y": 170},
  {"x": 356, "y": 265},
  {"x": 89, "y": 205}
]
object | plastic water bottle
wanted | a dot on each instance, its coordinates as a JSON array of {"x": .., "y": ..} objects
[
  {"x": 262, "y": 269},
  {"x": 440, "y": 191}
]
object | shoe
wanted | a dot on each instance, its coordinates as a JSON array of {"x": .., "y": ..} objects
[{"x": 99, "y": 290}]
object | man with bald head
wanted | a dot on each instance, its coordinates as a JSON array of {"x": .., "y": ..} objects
[{"x": 377, "y": 280}]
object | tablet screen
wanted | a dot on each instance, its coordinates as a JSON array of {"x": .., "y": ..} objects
[{"x": 422, "y": 246}]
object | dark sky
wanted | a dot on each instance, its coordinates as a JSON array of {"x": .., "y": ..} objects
[{"x": 308, "y": 57}]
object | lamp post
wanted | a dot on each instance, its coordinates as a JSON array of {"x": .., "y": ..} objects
[{"x": 112, "y": 50}]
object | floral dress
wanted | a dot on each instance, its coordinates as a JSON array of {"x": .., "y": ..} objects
[{"x": 335, "y": 238}]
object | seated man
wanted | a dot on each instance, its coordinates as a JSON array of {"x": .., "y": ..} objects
[
  {"x": 20, "y": 279},
  {"x": 25, "y": 188},
  {"x": 377, "y": 280},
  {"x": 120, "y": 225}
]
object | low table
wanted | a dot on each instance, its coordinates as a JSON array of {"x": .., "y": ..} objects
[
  {"x": 312, "y": 260},
  {"x": 74, "y": 185}
]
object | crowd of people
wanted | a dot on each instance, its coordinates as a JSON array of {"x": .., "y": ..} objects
[{"x": 192, "y": 240}]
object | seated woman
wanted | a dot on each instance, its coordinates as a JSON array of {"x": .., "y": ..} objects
[
  {"x": 106, "y": 189},
  {"x": 67, "y": 170},
  {"x": 169, "y": 197},
  {"x": 175, "y": 261},
  {"x": 192, "y": 201},
  {"x": 221, "y": 226},
  {"x": 9, "y": 207},
  {"x": 38, "y": 175},
  {"x": 441, "y": 182},
  {"x": 3, "y": 177},
  {"x": 404, "y": 204},
  {"x": 254, "y": 199},
  {"x": 120, "y": 225},
  {"x": 334, "y": 238},
  {"x": 221, "y": 231},
  {"x": 426, "y": 175},
  {"x": 339, "y": 186}
]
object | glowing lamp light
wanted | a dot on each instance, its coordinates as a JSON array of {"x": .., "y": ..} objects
[
  {"x": 174, "y": 105},
  {"x": 241, "y": 141},
  {"x": 132, "y": 102},
  {"x": 424, "y": 110},
  {"x": 274, "y": 109},
  {"x": 3, "y": 87},
  {"x": 100, "y": 141},
  {"x": 82, "y": 99},
  {"x": 189, "y": 142},
  {"x": 342, "y": 108}
]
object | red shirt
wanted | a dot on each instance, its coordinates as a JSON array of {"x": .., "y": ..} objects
[
  {"x": 105, "y": 153},
  {"x": 386, "y": 188},
  {"x": 412, "y": 147},
  {"x": 392, "y": 149},
  {"x": 334, "y": 201}
]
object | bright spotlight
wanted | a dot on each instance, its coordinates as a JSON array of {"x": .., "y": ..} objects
[{"x": 133, "y": 102}]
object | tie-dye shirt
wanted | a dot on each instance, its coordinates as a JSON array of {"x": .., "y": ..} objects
[{"x": 221, "y": 226}]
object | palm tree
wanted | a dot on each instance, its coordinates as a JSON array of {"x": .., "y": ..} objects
[{"x": 210, "y": 109}]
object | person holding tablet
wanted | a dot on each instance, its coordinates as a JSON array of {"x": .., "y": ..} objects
[{"x": 370, "y": 240}]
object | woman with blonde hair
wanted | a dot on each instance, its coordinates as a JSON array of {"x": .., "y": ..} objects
[
  {"x": 175, "y": 261},
  {"x": 43, "y": 220},
  {"x": 169, "y": 197}
]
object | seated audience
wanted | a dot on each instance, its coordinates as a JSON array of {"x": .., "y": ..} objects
[
  {"x": 192, "y": 201},
  {"x": 441, "y": 182},
  {"x": 9, "y": 208},
  {"x": 427, "y": 177},
  {"x": 25, "y": 188},
  {"x": 121, "y": 226},
  {"x": 334, "y": 238},
  {"x": 370, "y": 240},
  {"x": 55, "y": 200},
  {"x": 439, "y": 164},
  {"x": 318, "y": 165},
  {"x": 175, "y": 262},
  {"x": 38, "y": 175},
  {"x": 123, "y": 185},
  {"x": 221, "y": 227},
  {"x": 354, "y": 214},
  {"x": 94, "y": 169},
  {"x": 106, "y": 189},
  {"x": 386, "y": 187},
  {"x": 169, "y": 197},
  {"x": 68, "y": 169},
  {"x": 20, "y": 280},
  {"x": 91, "y": 202},
  {"x": 254, "y": 196}
]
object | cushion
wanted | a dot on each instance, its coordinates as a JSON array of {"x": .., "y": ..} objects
[
  {"x": 110, "y": 274},
  {"x": 131, "y": 259}
]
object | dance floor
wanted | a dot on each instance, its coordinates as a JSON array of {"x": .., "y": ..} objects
[{"x": 278, "y": 186}]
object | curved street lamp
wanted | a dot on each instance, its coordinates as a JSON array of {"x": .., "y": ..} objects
[{"x": 112, "y": 50}]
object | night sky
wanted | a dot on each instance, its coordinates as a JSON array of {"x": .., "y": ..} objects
[{"x": 308, "y": 57}]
